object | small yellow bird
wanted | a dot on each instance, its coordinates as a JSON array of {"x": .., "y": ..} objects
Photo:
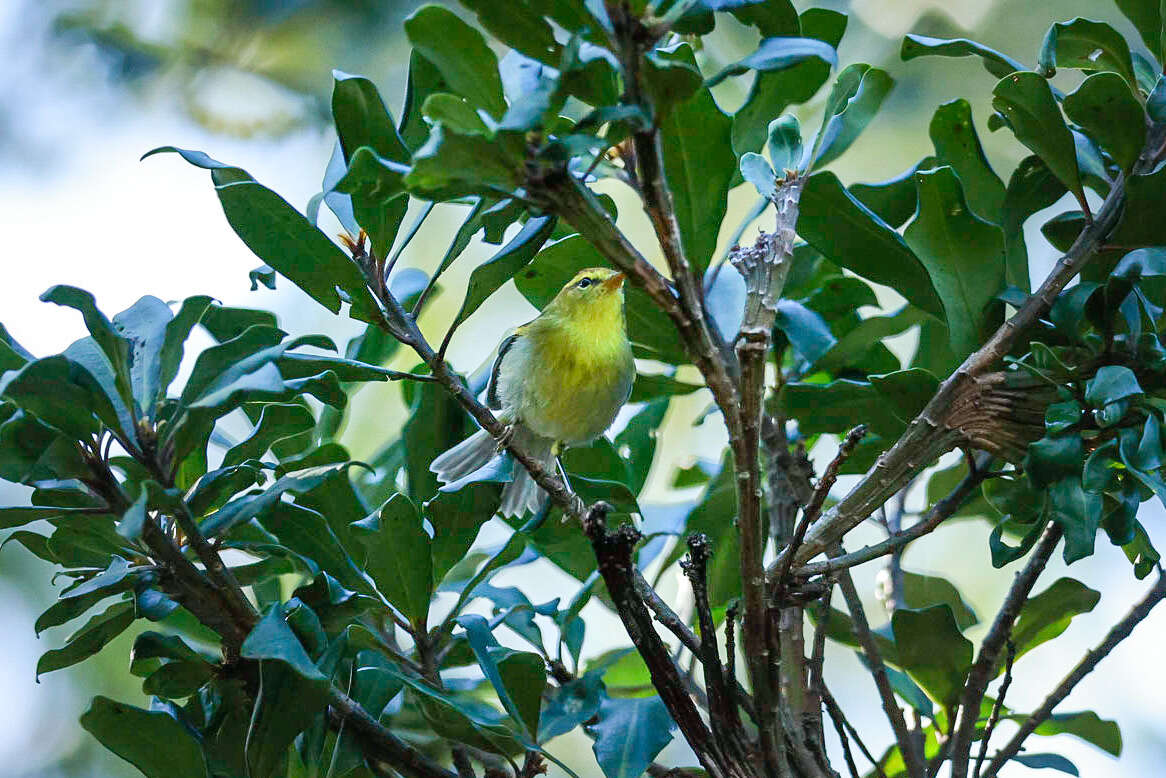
[{"x": 559, "y": 380}]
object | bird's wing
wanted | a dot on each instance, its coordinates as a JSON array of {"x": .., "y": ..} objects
[{"x": 492, "y": 399}]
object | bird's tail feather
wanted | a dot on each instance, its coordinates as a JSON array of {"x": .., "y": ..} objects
[
  {"x": 464, "y": 458},
  {"x": 521, "y": 494}
]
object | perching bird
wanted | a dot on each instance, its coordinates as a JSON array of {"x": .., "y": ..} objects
[{"x": 559, "y": 380}]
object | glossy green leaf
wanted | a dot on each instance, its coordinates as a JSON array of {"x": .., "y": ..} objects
[
  {"x": 923, "y": 591},
  {"x": 963, "y": 254},
  {"x": 1140, "y": 225},
  {"x": 785, "y": 143},
  {"x": 307, "y": 533},
  {"x": 1046, "y": 615},
  {"x": 570, "y": 705},
  {"x": 424, "y": 80},
  {"x": 906, "y": 392},
  {"x": 853, "y": 102},
  {"x": 1086, "y": 725},
  {"x": 362, "y": 119},
  {"x": 518, "y": 677},
  {"x": 376, "y": 188},
  {"x": 806, "y": 331},
  {"x": 956, "y": 144},
  {"x": 999, "y": 65},
  {"x": 488, "y": 277},
  {"x": 847, "y": 233},
  {"x": 1087, "y": 45},
  {"x": 1107, "y": 110},
  {"x": 280, "y": 236},
  {"x": 1110, "y": 384},
  {"x": 137, "y": 735},
  {"x": 279, "y": 423},
  {"x": 773, "y": 93},
  {"x": 1078, "y": 512},
  {"x": 1032, "y": 188},
  {"x": 456, "y": 518},
  {"x": 894, "y": 200},
  {"x": 1026, "y": 102},
  {"x": 398, "y": 557},
  {"x": 757, "y": 171},
  {"x": 629, "y": 733},
  {"x": 696, "y": 145},
  {"x": 775, "y": 54},
  {"x": 460, "y": 54},
  {"x": 95, "y": 635},
  {"x": 932, "y": 650}
]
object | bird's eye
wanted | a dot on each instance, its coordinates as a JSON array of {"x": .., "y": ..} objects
[{"x": 584, "y": 283}]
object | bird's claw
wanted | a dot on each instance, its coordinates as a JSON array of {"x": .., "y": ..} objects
[{"x": 507, "y": 437}]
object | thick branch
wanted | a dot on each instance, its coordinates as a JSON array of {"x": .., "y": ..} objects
[
  {"x": 1120, "y": 632},
  {"x": 993, "y": 643},
  {"x": 878, "y": 671},
  {"x": 379, "y": 743},
  {"x": 929, "y": 435}
]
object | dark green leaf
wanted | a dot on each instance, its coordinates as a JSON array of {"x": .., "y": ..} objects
[
  {"x": 906, "y": 392},
  {"x": 451, "y": 164},
  {"x": 518, "y": 677},
  {"x": 137, "y": 736},
  {"x": 362, "y": 119},
  {"x": 307, "y": 533},
  {"x": 774, "y": 54},
  {"x": 807, "y": 332},
  {"x": 772, "y": 93},
  {"x": 1086, "y": 725},
  {"x": 1046, "y": 615},
  {"x": 1106, "y": 109},
  {"x": 280, "y": 235},
  {"x": 957, "y": 144},
  {"x": 932, "y": 650},
  {"x": 273, "y": 639},
  {"x": 838, "y": 407},
  {"x": 398, "y": 557},
  {"x": 1110, "y": 384},
  {"x": 460, "y": 54},
  {"x": 520, "y": 26},
  {"x": 1047, "y": 761},
  {"x": 923, "y": 591},
  {"x": 835, "y": 223},
  {"x": 456, "y": 518},
  {"x": 1140, "y": 225},
  {"x": 89, "y": 639},
  {"x": 488, "y": 277},
  {"x": 785, "y": 143},
  {"x": 1087, "y": 45},
  {"x": 963, "y": 255},
  {"x": 278, "y": 423},
  {"x": 695, "y": 139},
  {"x": 1078, "y": 512},
  {"x": 570, "y": 705},
  {"x": 999, "y": 65},
  {"x": 855, "y": 99},
  {"x": 629, "y": 733},
  {"x": 894, "y": 200},
  {"x": 1031, "y": 188},
  {"x": 1026, "y": 102},
  {"x": 376, "y": 186}
]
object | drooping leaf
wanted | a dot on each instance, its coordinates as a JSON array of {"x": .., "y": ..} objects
[
  {"x": 1031, "y": 188},
  {"x": 89, "y": 639},
  {"x": 957, "y": 144},
  {"x": 775, "y": 54},
  {"x": 999, "y": 65},
  {"x": 1088, "y": 45},
  {"x": 460, "y": 54},
  {"x": 963, "y": 254},
  {"x": 1105, "y": 108},
  {"x": 1026, "y": 102},
  {"x": 932, "y": 650},
  {"x": 1046, "y": 615},
  {"x": 136, "y": 736},
  {"x": 398, "y": 556}
]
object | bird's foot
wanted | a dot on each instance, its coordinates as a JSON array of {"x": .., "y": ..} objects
[{"x": 507, "y": 437}]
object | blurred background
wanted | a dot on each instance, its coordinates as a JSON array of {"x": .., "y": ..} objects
[{"x": 92, "y": 84}]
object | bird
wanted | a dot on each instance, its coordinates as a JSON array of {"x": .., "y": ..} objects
[{"x": 558, "y": 381}]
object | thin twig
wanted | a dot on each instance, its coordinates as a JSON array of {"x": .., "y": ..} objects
[
  {"x": 997, "y": 706},
  {"x": 988, "y": 658},
  {"x": 842, "y": 726},
  {"x": 878, "y": 671},
  {"x": 1116, "y": 635}
]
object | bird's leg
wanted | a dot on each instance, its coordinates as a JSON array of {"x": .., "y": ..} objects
[{"x": 507, "y": 437}]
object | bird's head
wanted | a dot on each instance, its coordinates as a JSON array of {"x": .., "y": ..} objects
[{"x": 593, "y": 296}]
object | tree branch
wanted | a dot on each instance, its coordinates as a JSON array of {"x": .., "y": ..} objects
[
  {"x": 1116, "y": 635},
  {"x": 939, "y": 513},
  {"x": 993, "y": 643},
  {"x": 997, "y": 706},
  {"x": 379, "y": 743},
  {"x": 878, "y": 671}
]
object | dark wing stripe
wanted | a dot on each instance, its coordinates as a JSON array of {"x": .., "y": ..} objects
[{"x": 492, "y": 388}]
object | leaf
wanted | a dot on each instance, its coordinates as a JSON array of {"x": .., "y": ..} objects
[
  {"x": 1086, "y": 725},
  {"x": 1079, "y": 513},
  {"x": 806, "y": 330},
  {"x": 756, "y": 170},
  {"x": 570, "y": 705},
  {"x": 518, "y": 677},
  {"x": 376, "y": 188},
  {"x": 922, "y": 591},
  {"x": 894, "y": 200},
  {"x": 456, "y": 518},
  {"x": 629, "y": 733},
  {"x": 307, "y": 533},
  {"x": 1048, "y": 761},
  {"x": 460, "y": 54},
  {"x": 1087, "y": 45},
  {"x": 963, "y": 254},
  {"x": 1032, "y": 188},
  {"x": 362, "y": 120},
  {"x": 907, "y": 392},
  {"x": 95, "y": 635},
  {"x": 999, "y": 65},
  {"x": 520, "y": 26},
  {"x": 488, "y": 277},
  {"x": 273, "y": 639},
  {"x": 1026, "y": 102},
  {"x": 774, "y": 54},
  {"x": 956, "y": 144},
  {"x": 855, "y": 99},
  {"x": 1111, "y": 384},
  {"x": 932, "y": 650},
  {"x": 450, "y": 164},
  {"x": 835, "y": 223},
  {"x": 1106, "y": 109},
  {"x": 785, "y": 143},
  {"x": 772, "y": 93},
  {"x": 838, "y": 407},
  {"x": 136, "y": 736},
  {"x": 398, "y": 557},
  {"x": 279, "y": 423},
  {"x": 1046, "y": 615},
  {"x": 1139, "y": 225},
  {"x": 115, "y": 348},
  {"x": 280, "y": 236},
  {"x": 1147, "y": 17},
  {"x": 424, "y": 80},
  {"x": 286, "y": 705},
  {"x": 696, "y": 145}
]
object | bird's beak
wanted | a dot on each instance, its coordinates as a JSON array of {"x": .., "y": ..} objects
[{"x": 615, "y": 282}]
